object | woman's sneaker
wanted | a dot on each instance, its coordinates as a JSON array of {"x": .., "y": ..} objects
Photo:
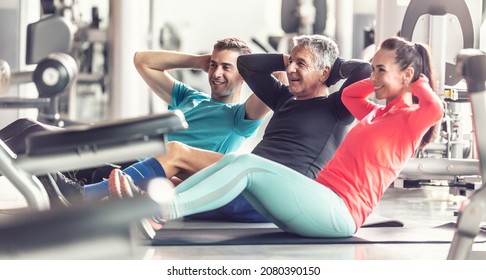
[{"x": 121, "y": 186}]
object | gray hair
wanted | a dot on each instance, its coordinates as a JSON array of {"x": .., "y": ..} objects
[{"x": 324, "y": 49}]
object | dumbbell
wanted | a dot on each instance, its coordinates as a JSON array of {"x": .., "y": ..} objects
[{"x": 53, "y": 75}]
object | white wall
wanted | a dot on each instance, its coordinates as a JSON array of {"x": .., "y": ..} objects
[
  {"x": 201, "y": 23},
  {"x": 128, "y": 33},
  {"x": 364, "y": 6}
]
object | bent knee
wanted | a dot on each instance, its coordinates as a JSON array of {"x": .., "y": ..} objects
[
  {"x": 175, "y": 148},
  {"x": 178, "y": 154},
  {"x": 250, "y": 158}
]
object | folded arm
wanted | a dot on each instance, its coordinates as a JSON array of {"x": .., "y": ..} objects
[
  {"x": 430, "y": 109},
  {"x": 153, "y": 67},
  {"x": 355, "y": 98},
  {"x": 257, "y": 70}
]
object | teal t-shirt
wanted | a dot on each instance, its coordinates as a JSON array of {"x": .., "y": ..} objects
[{"x": 213, "y": 125}]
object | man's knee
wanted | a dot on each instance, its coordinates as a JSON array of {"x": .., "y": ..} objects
[
  {"x": 173, "y": 159},
  {"x": 176, "y": 151},
  {"x": 172, "y": 146}
]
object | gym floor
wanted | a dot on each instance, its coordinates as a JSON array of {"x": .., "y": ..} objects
[
  {"x": 418, "y": 207},
  {"x": 427, "y": 206}
]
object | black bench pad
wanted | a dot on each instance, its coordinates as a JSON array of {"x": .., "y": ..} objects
[{"x": 91, "y": 137}]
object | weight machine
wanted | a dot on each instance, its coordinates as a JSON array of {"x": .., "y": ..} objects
[
  {"x": 447, "y": 27},
  {"x": 48, "y": 45},
  {"x": 471, "y": 64}
]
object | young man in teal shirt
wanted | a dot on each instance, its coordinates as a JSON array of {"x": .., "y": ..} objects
[{"x": 219, "y": 122}]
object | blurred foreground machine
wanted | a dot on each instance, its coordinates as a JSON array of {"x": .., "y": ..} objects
[
  {"x": 471, "y": 63},
  {"x": 101, "y": 231}
]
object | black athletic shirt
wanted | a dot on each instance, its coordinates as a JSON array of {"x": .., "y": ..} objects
[{"x": 302, "y": 134}]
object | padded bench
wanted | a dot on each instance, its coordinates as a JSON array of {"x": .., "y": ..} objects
[
  {"x": 98, "y": 136},
  {"x": 85, "y": 146}
]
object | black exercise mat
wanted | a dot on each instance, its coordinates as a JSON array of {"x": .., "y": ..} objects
[
  {"x": 259, "y": 236},
  {"x": 375, "y": 220}
]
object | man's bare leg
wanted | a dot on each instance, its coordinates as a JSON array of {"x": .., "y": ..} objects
[{"x": 182, "y": 161}]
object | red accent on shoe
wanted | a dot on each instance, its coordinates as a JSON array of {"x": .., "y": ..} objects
[
  {"x": 114, "y": 184},
  {"x": 126, "y": 190},
  {"x": 119, "y": 188},
  {"x": 156, "y": 223}
]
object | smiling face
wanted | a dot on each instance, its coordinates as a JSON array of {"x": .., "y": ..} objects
[
  {"x": 305, "y": 79},
  {"x": 389, "y": 81},
  {"x": 224, "y": 79}
]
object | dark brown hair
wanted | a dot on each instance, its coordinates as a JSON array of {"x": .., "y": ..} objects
[{"x": 234, "y": 44}]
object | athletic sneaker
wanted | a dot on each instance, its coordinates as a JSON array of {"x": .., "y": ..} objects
[
  {"x": 62, "y": 191},
  {"x": 121, "y": 186}
]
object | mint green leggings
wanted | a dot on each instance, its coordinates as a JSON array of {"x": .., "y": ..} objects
[{"x": 294, "y": 202}]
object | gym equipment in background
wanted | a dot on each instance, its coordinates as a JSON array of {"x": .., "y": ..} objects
[
  {"x": 53, "y": 76},
  {"x": 471, "y": 64},
  {"x": 49, "y": 42}
]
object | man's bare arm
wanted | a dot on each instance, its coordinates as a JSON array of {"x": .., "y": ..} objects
[{"x": 153, "y": 66}]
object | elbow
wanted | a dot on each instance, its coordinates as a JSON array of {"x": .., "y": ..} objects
[
  {"x": 441, "y": 112},
  {"x": 241, "y": 66},
  {"x": 240, "y": 62},
  {"x": 140, "y": 61},
  {"x": 439, "y": 109},
  {"x": 345, "y": 97},
  {"x": 137, "y": 60}
]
